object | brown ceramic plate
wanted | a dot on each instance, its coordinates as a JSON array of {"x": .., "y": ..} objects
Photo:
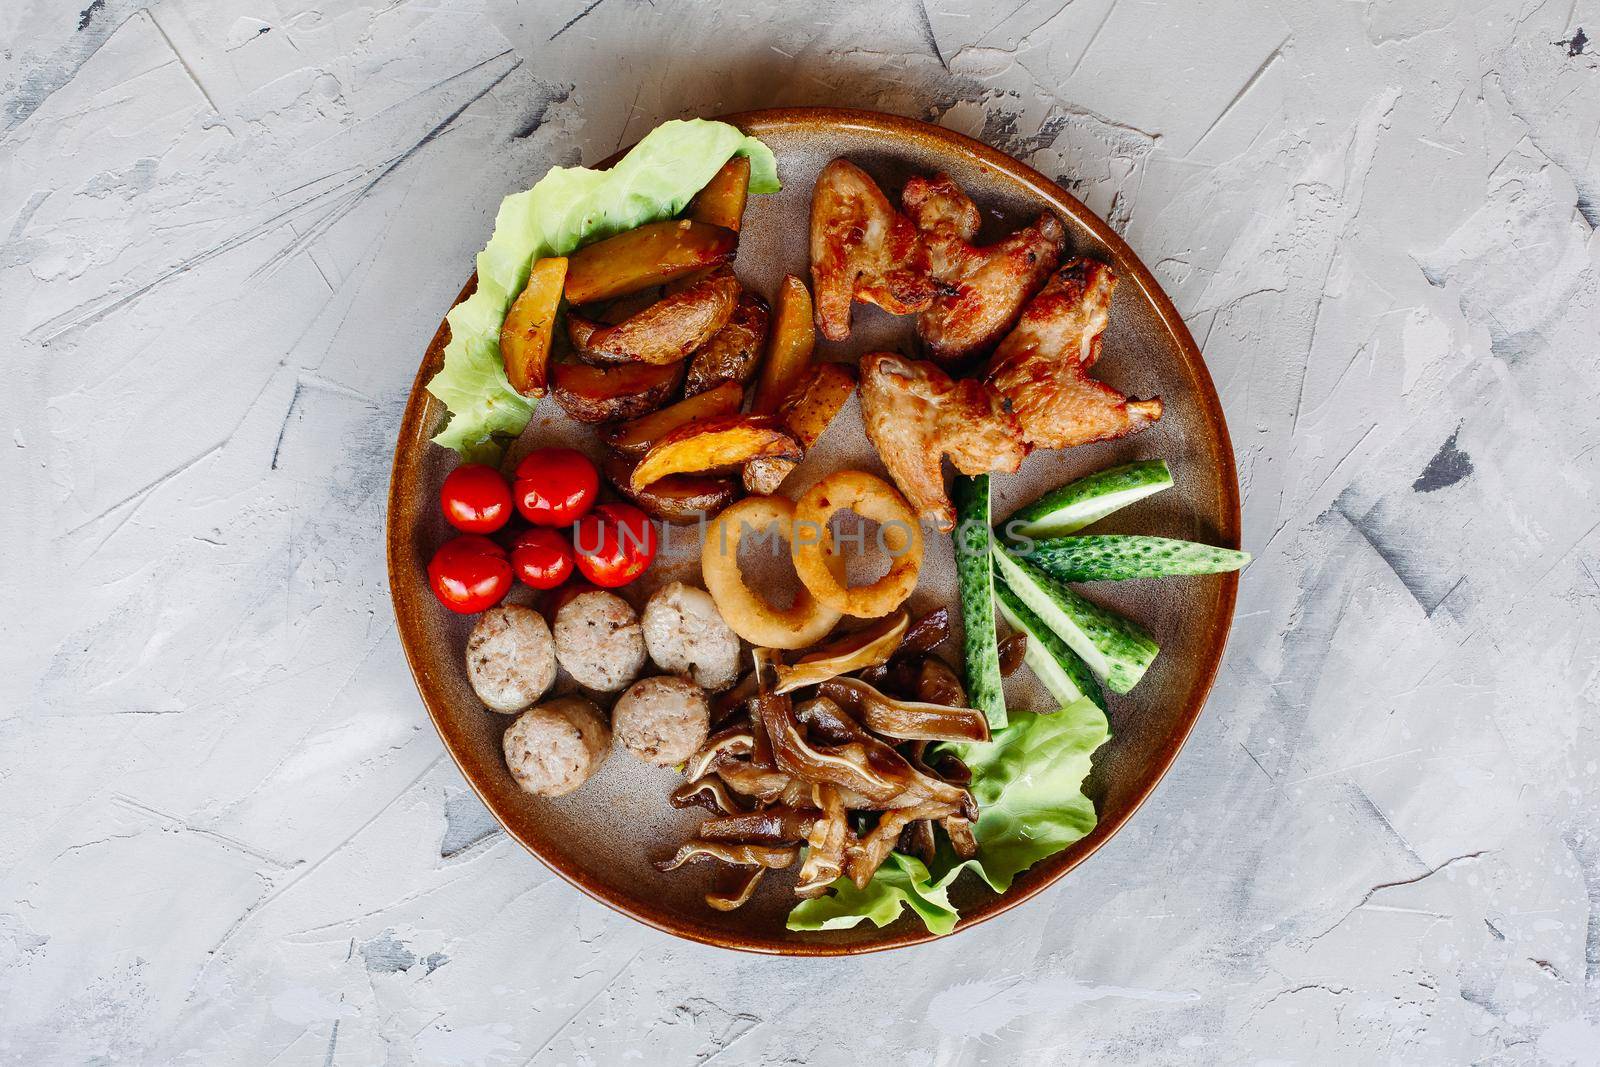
[{"x": 602, "y": 837}]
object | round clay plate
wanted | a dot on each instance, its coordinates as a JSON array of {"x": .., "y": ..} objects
[{"x": 602, "y": 837}]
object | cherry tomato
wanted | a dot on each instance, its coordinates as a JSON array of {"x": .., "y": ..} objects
[
  {"x": 614, "y": 543},
  {"x": 476, "y": 498},
  {"x": 469, "y": 573},
  {"x": 541, "y": 557},
  {"x": 555, "y": 486}
]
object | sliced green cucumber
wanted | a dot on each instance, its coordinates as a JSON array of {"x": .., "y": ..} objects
[
  {"x": 1087, "y": 500},
  {"x": 974, "y": 540},
  {"x": 1115, "y": 557},
  {"x": 1116, "y": 650},
  {"x": 1058, "y": 668}
]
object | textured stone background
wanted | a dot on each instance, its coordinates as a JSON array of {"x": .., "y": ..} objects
[{"x": 227, "y": 831}]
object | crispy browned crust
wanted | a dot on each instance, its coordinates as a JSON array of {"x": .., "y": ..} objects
[
  {"x": 862, "y": 249},
  {"x": 669, "y": 329},
  {"x": 982, "y": 289},
  {"x": 733, "y": 352},
  {"x": 915, "y": 415},
  {"x": 1042, "y": 367}
]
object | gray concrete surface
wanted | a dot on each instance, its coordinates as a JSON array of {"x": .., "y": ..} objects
[{"x": 228, "y": 833}]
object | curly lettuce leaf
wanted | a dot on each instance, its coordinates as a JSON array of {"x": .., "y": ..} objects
[
  {"x": 902, "y": 882},
  {"x": 568, "y": 208},
  {"x": 1028, "y": 782}
]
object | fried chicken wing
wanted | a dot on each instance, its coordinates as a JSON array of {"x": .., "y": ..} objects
[
  {"x": 862, "y": 249},
  {"x": 982, "y": 289},
  {"x": 916, "y": 415},
  {"x": 1042, "y": 367}
]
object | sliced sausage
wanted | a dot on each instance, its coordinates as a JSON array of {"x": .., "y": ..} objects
[
  {"x": 686, "y": 635},
  {"x": 511, "y": 659},
  {"x": 598, "y": 641},
  {"x": 553, "y": 748},
  {"x": 662, "y": 720}
]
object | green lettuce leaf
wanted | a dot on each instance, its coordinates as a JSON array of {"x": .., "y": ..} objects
[
  {"x": 568, "y": 208},
  {"x": 1028, "y": 782},
  {"x": 903, "y": 881}
]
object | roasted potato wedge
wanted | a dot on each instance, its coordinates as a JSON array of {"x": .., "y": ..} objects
[
  {"x": 677, "y": 498},
  {"x": 790, "y": 349},
  {"x": 530, "y": 327},
  {"x": 634, "y": 438},
  {"x": 607, "y": 394},
  {"x": 646, "y": 256},
  {"x": 805, "y": 413},
  {"x": 580, "y": 328},
  {"x": 814, "y": 402},
  {"x": 763, "y": 476},
  {"x": 668, "y": 330},
  {"x": 733, "y": 352},
  {"x": 715, "y": 445},
  {"x": 721, "y": 202}
]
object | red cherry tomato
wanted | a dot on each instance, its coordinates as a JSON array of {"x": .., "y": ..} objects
[
  {"x": 555, "y": 486},
  {"x": 469, "y": 573},
  {"x": 614, "y": 543},
  {"x": 541, "y": 557},
  {"x": 476, "y": 498}
]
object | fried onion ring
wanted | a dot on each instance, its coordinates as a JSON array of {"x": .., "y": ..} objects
[
  {"x": 749, "y": 615},
  {"x": 814, "y": 556}
]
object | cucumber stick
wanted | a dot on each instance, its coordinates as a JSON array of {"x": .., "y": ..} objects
[
  {"x": 1061, "y": 670},
  {"x": 1116, "y": 650},
  {"x": 974, "y": 541},
  {"x": 1087, "y": 500},
  {"x": 1114, "y": 557}
]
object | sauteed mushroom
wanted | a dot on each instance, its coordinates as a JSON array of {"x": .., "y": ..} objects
[
  {"x": 834, "y": 763},
  {"x": 737, "y": 891},
  {"x": 744, "y": 855},
  {"x": 908, "y": 720},
  {"x": 867, "y": 647},
  {"x": 710, "y": 793},
  {"x": 774, "y": 825}
]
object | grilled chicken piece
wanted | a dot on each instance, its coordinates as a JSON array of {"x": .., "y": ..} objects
[
  {"x": 982, "y": 289},
  {"x": 916, "y": 415},
  {"x": 862, "y": 249},
  {"x": 1042, "y": 367}
]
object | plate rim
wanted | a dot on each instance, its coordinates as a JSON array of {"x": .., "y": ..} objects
[{"x": 422, "y": 409}]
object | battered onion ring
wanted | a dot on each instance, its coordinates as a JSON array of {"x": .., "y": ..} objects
[
  {"x": 871, "y": 498},
  {"x": 745, "y": 612}
]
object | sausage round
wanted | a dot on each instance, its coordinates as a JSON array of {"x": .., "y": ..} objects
[
  {"x": 685, "y": 634},
  {"x": 511, "y": 658},
  {"x": 598, "y": 641},
  {"x": 553, "y": 748},
  {"x": 662, "y": 720}
]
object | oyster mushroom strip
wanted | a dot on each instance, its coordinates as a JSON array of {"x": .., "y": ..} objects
[
  {"x": 917, "y": 840},
  {"x": 773, "y": 857},
  {"x": 864, "y": 765},
  {"x": 869, "y": 647},
  {"x": 923, "y": 635},
  {"x": 959, "y": 827},
  {"x": 710, "y": 793},
  {"x": 865, "y": 856},
  {"x": 727, "y": 705},
  {"x": 734, "y": 742},
  {"x": 904, "y": 719},
  {"x": 936, "y": 683},
  {"x": 829, "y": 720},
  {"x": 775, "y": 826},
  {"x": 738, "y": 890},
  {"x": 829, "y": 840},
  {"x": 946, "y": 766}
]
